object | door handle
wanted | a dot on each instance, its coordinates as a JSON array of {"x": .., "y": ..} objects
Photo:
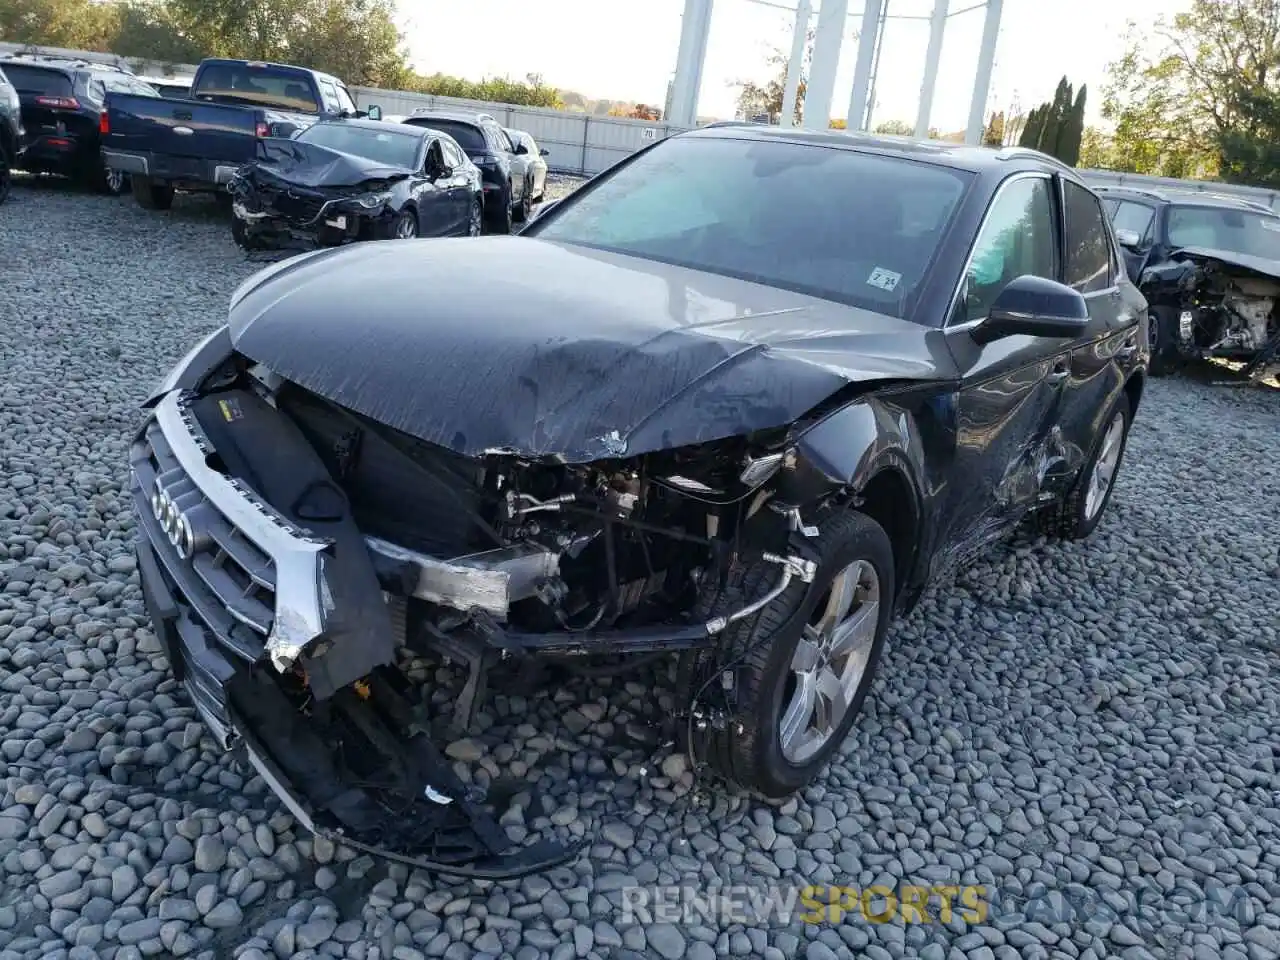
[
  {"x": 1061, "y": 370},
  {"x": 182, "y": 114}
]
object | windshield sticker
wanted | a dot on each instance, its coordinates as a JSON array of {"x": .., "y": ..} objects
[
  {"x": 884, "y": 279},
  {"x": 1273, "y": 225}
]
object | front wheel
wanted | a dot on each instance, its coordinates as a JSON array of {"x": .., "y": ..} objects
[
  {"x": 475, "y": 223},
  {"x": 802, "y": 665},
  {"x": 405, "y": 226},
  {"x": 1079, "y": 514}
]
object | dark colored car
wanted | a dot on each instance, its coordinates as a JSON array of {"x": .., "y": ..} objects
[
  {"x": 699, "y": 407},
  {"x": 1209, "y": 267},
  {"x": 198, "y": 144},
  {"x": 62, "y": 103},
  {"x": 502, "y": 163},
  {"x": 537, "y": 167},
  {"x": 342, "y": 180},
  {"x": 12, "y": 134}
]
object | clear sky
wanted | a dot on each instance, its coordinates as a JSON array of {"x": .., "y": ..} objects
[{"x": 626, "y": 49}]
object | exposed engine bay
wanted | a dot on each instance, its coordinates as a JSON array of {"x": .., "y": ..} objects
[
  {"x": 1225, "y": 310},
  {"x": 393, "y": 549}
]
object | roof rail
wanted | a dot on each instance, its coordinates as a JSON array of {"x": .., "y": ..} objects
[
  {"x": 485, "y": 116},
  {"x": 1007, "y": 153},
  {"x": 728, "y": 123}
]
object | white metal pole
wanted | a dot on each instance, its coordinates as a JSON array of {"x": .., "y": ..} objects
[
  {"x": 937, "y": 29},
  {"x": 982, "y": 77},
  {"x": 695, "y": 26},
  {"x": 862, "y": 68},
  {"x": 795, "y": 65},
  {"x": 826, "y": 58}
]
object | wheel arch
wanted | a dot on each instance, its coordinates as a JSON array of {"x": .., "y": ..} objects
[
  {"x": 1134, "y": 388},
  {"x": 869, "y": 452}
]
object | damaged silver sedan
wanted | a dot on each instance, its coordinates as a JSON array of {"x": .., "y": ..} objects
[{"x": 704, "y": 409}]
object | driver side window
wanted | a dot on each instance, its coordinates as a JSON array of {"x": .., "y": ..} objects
[
  {"x": 434, "y": 164},
  {"x": 1017, "y": 238}
]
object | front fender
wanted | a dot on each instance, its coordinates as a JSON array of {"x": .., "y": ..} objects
[{"x": 852, "y": 444}]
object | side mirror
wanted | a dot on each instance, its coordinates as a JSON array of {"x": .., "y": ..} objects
[
  {"x": 544, "y": 152},
  {"x": 1034, "y": 307},
  {"x": 521, "y": 150},
  {"x": 1129, "y": 238},
  {"x": 374, "y": 113}
]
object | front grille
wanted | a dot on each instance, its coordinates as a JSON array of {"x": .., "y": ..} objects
[{"x": 233, "y": 590}]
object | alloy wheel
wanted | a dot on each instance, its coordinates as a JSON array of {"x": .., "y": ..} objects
[
  {"x": 1104, "y": 467},
  {"x": 406, "y": 227},
  {"x": 830, "y": 660},
  {"x": 114, "y": 180},
  {"x": 1153, "y": 333},
  {"x": 477, "y": 219}
]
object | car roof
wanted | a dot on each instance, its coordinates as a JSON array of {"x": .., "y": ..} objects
[
  {"x": 456, "y": 115},
  {"x": 68, "y": 70},
  {"x": 379, "y": 125},
  {"x": 960, "y": 156},
  {"x": 1186, "y": 198}
]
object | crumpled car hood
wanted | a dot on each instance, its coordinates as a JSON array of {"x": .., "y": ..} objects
[
  {"x": 311, "y": 165},
  {"x": 1261, "y": 265},
  {"x": 545, "y": 350}
]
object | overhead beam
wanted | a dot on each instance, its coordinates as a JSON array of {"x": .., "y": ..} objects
[{"x": 857, "y": 116}]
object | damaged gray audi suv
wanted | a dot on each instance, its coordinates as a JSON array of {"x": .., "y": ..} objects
[{"x": 737, "y": 400}]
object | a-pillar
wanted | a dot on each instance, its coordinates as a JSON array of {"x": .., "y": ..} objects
[
  {"x": 826, "y": 58},
  {"x": 982, "y": 78},
  {"x": 695, "y": 28}
]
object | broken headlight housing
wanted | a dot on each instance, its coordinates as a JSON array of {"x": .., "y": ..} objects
[{"x": 372, "y": 201}]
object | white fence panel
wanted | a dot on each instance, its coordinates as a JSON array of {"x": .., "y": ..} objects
[{"x": 578, "y": 142}]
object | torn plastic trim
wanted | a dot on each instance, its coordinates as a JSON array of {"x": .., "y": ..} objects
[
  {"x": 522, "y": 862},
  {"x": 301, "y": 594}
]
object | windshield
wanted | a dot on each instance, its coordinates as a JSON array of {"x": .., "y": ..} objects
[
  {"x": 258, "y": 85},
  {"x": 834, "y": 223},
  {"x": 383, "y": 146},
  {"x": 37, "y": 80},
  {"x": 1221, "y": 228},
  {"x": 467, "y": 135}
]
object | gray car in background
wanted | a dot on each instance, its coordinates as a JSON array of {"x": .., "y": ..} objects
[{"x": 11, "y": 133}]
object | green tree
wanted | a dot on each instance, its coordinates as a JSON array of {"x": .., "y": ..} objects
[
  {"x": 767, "y": 97},
  {"x": 1057, "y": 126},
  {"x": 76, "y": 24},
  {"x": 993, "y": 132},
  {"x": 895, "y": 128}
]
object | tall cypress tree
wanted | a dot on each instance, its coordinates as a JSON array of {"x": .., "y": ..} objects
[
  {"x": 1057, "y": 126},
  {"x": 1073, "y": 131}
]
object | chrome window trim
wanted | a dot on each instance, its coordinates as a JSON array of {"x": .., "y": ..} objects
[{"x": 986, "y": 217}]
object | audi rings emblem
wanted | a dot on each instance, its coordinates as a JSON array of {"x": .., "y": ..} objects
[{"x": 173, "y": 521}]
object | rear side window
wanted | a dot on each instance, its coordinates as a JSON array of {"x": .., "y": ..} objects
[
  {"x": 1088, "y": 253},
  {"x": 467, "y": 136},
  {"x": 256, "y": 85},
  {"x": 37, "y": 80}
]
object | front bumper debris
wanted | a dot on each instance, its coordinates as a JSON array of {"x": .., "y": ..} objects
[
  {"x": 219, "y": 569},
  {"x": 278, "y": 217}
]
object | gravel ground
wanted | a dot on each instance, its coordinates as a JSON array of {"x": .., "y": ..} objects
[{"x": 1087, "y": 728}]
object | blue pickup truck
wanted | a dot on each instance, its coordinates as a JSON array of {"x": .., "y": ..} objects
[{"x": 198, "y": 143}]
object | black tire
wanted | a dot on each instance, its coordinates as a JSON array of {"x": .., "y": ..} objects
[
  {"x": 1162, "y": 335},
  {"x": 151, "y": 196},
  {"x": 6, "y": 175},
  {"x": 747, "y": 750},
  {"x": 521, "y": 213},
  {"x": 1071, "y": 518},
  {"x": 500, "y": 219},
  {"x": 241, "y": 236},
  {"x": 223, "y": 200}
]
